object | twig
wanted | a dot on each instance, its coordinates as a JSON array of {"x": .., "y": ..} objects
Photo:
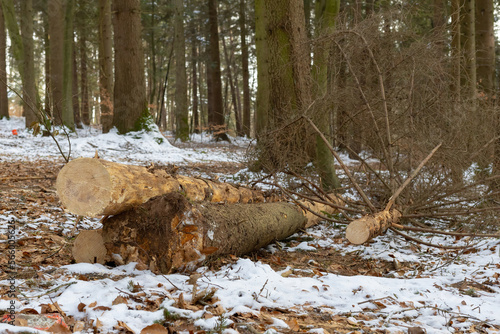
[
  {"x": 409, "y": 179},
  {"x": 169, "y": 281},
  {"x": 451, "y": 213},
  {"x": 344, "y": 167},
  {"x": 456, "y": 234},
  {"x": 406, "y": 236},
  {"x": 256, "y": 296}
]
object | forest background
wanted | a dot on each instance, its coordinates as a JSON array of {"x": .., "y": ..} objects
[{"x": 392, "y": 78}]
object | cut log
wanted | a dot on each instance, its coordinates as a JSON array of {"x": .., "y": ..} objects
[
  {"x": 367, "y": 227},
  {"x": 89, "y": 247},
  {"x": 170, "y": 233},
  {"x": 94, "y": 187}
]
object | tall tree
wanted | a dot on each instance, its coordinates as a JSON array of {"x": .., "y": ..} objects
[
  {"x": 68, "y": 116},
  {"x": 82, "y": 46},
  {"x": 262, "y": 50},
  {"x": 194, "y": 73},
  {"x": 216, "y": 116},
  {"x": 468, "y": 46},
  {"x": 246, "y": 73},
  {"x": 130, "y": 104},
  {"x": 181, "y": 100},
  {"x": 326, "y": 12},
  {"x": 485, "y": 46},
  {"x": 105, "y": 65},
  {"x": 30, "y": 96},
  {"x": 4, "y": 102},
  {"x": 56, "y": 38}
]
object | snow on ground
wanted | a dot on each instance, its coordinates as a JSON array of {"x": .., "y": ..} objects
[{"x": 430, "y": 293}]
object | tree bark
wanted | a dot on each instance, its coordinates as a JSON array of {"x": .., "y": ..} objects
[
  {"x": 130, "y": 103},
  {"x": 68, "y": 117},
  {"x": 181, "y": 100},
  {"x": 56, "y": 36},
  {"x": 485, "y": 42},
  {"x": 171, "y": 233},
  {"x": 367, "y": 227},
  {"x": 4, "y": 102},
  {"x": 94, "y": 187},
  {"x": 262, "y": 52},
  {"x": 194, "y": 78},
  {"x": 246, "y": 73},
  {"x": 30, "y": 96},
  {"x": 216, "y": 116},
  {"x": 105, "y": 65}
]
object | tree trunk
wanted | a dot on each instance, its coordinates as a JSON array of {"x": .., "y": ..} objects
[
  {"x": 485, "y": 42},
  {"x": 84, "y": 86},
  {"x": 366, "y": 228},
  {"x": 456, "y": 50},
  {"x": 232, "y": 87},
  {"x": 194, "y": 58},
  {"x": 262, "y": 51},
  {"x": 4, "y": 102},
  {"x": 67, "y": 89},
  {"x": 216, "y": 117},
  {"x": 93, "y": 187},
  {"x": 246, "y": 73},
  {"x": 75, "y": 95},
  {"x": 170, "y": 233},
  {"x": 105, "y": 65},
  {"x": 326, "y": 12},
  {"x": 130, "y": 104},
  {"x": 30, "y": 96},
  {"x": 181, "y": 100},
  {"x": 56, "y": 36},
  {"x": 468, "y": 46}
]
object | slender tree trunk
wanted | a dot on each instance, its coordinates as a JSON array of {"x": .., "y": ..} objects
[
  {"x": 232, "y": 85},
  {"x": 152, "y": 86},
  {"x": 468, "y": 45},
  {"x": 485, "y": 45},
  {"x": 75, "y": 99},
  {"x": 262, "y": 50},
  {"x": 181, "y": 100},
  {"x": 4, "y": 102},
  {"x": 84, "y": 86},
  {"x": 194, "y": 87},
  {"x": 105, "y": 65},
  {"x": 56, "y": 37},
  {"x": 246, "y": 73},
  {"x": 217, "y": 115},
  {"x": 130, "y": 103},
  {"x": 67, "y": 89},
  {"x": 47, "y": 107},
  {"x": 30, "y": 105},
  {"x": 456, "y": 48}
]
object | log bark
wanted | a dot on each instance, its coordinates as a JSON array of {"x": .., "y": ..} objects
[
  {"x": 94, "y": 187},
  {"x": 367, "y": 227},
  {"x": 170, "y": 233}
]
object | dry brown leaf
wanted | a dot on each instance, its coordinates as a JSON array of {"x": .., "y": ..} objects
[
  {"x": 81, "y": 307},
  {"x": 119, "y": 300},
  {"x": 154, "y": 329},
  {"x": 58, "y": 329},
  {"x": 79, "y": 326},
  {"x": 123, "y": 326},
  {"x": 293, "y": 324},
  {"x": 91, "y": 305}
]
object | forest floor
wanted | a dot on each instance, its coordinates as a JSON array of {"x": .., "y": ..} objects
[{"x": 314, "y": 281}]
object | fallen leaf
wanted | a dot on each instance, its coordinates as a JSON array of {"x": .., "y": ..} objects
[
  {"x": 154, "y": 329},
  {"x": 293, "y": 324},
  {"x": 119, "y": 300}
]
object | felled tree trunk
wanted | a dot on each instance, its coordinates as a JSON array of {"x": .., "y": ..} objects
[
  {"x": 367, "y": 227},
  {"x": 170, "y": 233},
  {"x": 94, "y": 187}
]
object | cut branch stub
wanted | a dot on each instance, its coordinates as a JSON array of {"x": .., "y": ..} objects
[
  {"x": 94, "y": 187},
  {"x": 367, "y": 227}
]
